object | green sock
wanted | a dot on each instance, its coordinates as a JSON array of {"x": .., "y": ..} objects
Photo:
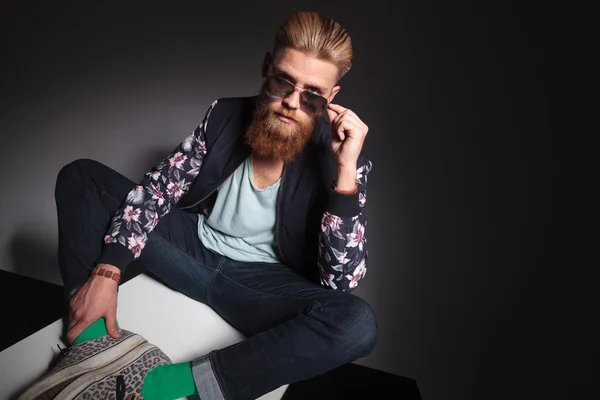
[
  {"x": 170, "y": 381},
  {"x": 94, "y": 331}
]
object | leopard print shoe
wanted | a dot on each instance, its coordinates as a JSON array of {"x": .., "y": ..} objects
[
  {"x": 80, "y": 359},
  {"x": 120, "y": 380}
]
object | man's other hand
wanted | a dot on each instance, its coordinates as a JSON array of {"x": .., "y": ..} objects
[{"x": 95, "y": 299}]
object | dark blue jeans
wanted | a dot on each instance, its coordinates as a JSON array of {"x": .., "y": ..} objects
[{"x": 294, "y": 329}]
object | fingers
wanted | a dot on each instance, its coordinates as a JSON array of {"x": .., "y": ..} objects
[
  {"x": 348, "y": 124},
  {"x": 111, "y": 324},
  {"x": 76, "y": 330},
  {"x": 71, "y": 336},
  {"x": 74, "y": 317},
  {"x": 335, "y": 111},
  {"x": 331, "y": 114},
  {"x": 336, "y": 107},
  {"x": 334, "y": 122}
]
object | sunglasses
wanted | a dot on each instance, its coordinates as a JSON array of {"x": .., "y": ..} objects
[{"x": 280, "y": 88}]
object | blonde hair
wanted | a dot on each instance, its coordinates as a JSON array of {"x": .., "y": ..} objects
[{"x": 321, "y": 37}]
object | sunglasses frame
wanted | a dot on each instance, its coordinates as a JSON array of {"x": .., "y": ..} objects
[{"x": 295, "y": 89}]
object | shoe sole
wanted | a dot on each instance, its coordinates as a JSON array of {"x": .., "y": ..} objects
[
  {"x": 89, "y": 364},
  {"x": 79, "y": 385}
]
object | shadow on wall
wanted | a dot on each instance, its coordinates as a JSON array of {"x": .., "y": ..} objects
[
  {"x": 36, "y": 257},
  {"x": 144, "y": 162},
  {"x": 40, "y": 261},
  {"x": 33, "y": 257}
]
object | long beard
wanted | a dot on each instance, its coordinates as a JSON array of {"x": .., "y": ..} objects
[{"x": 267, "y": 136}]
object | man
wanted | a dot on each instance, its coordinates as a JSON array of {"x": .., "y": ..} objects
[{"x": 259, "y": 213}]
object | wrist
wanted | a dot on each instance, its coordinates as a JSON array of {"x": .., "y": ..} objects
[
  {"x": 346, "y": 179},
  {"x": 106, "y": 272},
  {"x": 108, "y": 267}
]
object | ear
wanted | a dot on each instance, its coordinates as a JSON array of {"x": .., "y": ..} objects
[
  {"x": 333, "y": 93},
  {"x": 266, "y": 64}
]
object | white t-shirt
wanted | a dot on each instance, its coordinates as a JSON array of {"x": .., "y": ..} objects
[{"x": 241, "y": 224}]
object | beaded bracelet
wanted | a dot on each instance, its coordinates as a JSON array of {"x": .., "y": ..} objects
[{"x": 115, "y": 276}]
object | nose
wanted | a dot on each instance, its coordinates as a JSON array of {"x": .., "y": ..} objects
[{"x": 293, "y": 100}]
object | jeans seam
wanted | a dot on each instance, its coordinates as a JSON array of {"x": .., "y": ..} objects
[
  {"x": 218, "y": 375},
  {"x": 270, "y": 294},
  {"x": 96, "y": 190},
  {"x": 179, "y": 250},
  {"x": 217, "y": 372},
  {"x": 212, "y": 279}
]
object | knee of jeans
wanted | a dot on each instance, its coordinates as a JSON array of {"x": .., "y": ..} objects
[
  {"x": 73, "y": 173},
  {"x": 357, "y": 326}
]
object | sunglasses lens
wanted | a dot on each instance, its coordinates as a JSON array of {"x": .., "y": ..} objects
[
  {"x": 278, "y": 87},
  {"x": 313, "y": 102}
]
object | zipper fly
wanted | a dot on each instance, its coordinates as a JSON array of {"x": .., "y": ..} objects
[{"x": 278, "y": 215}]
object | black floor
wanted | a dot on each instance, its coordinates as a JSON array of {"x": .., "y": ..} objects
[
  {"x": 29, "y": 305},
  {"x": 32, "y": 304},
  {"x": 353, "y": 381}
]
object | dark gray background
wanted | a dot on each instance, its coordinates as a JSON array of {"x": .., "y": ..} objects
[{"x": 459, "y": 196}]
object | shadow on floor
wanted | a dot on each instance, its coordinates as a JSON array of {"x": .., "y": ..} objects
[{"x": 353, "y": 381}]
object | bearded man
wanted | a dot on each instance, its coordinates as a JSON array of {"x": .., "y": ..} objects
[{"x": 259, "y": 213}]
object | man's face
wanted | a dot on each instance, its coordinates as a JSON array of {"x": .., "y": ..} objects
[{"x": 281, "y": 127}]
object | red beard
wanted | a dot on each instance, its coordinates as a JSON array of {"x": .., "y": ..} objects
[{"x": 268, "y": 136}]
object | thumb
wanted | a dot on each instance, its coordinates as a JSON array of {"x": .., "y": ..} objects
[{"x": 111, "y": 324}]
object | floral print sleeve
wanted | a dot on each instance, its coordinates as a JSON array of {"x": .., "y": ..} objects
[
  {"x": 343, "y": 243},
  {"x": 160, "y": 189}
]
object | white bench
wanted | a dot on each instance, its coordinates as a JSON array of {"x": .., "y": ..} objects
[{"x": 181, "y": 327}]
